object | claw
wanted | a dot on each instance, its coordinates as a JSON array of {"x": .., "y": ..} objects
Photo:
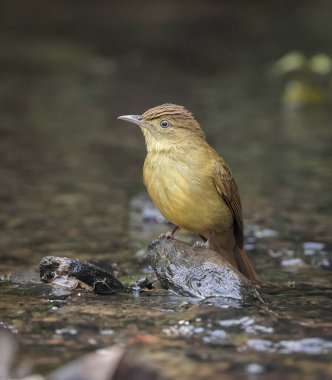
[
  {"x": 167, "y": 235},
  {"x": 201, "y": 244}
]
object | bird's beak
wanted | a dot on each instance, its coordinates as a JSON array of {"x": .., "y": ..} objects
[{"x": 135, "y": 119}]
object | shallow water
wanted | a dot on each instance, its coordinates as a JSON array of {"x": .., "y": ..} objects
[{"x": 71, "y": 173}]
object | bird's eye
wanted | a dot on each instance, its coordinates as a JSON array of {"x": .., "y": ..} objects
[{"x": 165, "y": 123}]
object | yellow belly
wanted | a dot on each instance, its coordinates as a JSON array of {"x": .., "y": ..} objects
[{"x": 188, "y": 201}]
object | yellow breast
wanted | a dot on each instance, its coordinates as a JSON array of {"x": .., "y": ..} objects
[{"x": 183, "y": 190}]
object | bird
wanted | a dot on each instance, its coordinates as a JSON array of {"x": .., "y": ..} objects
[{"x": 191, "y": 184}]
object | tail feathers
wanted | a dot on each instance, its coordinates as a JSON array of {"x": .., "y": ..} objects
[
  {"x": 244, "y": 264},
  {"x": 234, "y": 255}
]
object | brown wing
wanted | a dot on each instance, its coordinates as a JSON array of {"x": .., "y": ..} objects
[{"x": 226, "y": 186}]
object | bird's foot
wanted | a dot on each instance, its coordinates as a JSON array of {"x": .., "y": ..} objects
[
  {"x": 201, "y": 244},
  {"x": 167, "y": 235}
]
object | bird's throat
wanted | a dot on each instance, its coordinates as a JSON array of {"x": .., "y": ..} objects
[{"x": 155, "y": 144}]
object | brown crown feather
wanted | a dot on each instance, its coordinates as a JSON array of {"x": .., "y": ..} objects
[
  {"x": 178, "y": 113},
  {"x": 168, "y": 109}
]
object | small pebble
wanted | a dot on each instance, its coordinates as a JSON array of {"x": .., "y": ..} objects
[
  {"x": 260, "y": 234},
  {"x": 255, "y": 368},
  {"x": 296, "y": 262},
  {"x": 66, "y": 330},
  {"x": 107, "y": 332},
  {"x": 310, "y": 248}
]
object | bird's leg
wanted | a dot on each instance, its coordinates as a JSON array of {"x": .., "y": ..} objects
[
  {"x": 207, "y": 241},
  {"x": 169, "y": 234},
  {"x": 203, "y": 237}
]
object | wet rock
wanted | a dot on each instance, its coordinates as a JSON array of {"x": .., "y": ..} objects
[
  {"x": 76, "y": 274},
  {"x": 24, "y": 277},
  {"x": 143, "y": 284},
  {"x": 110, "y": 363},
  {"x": 7, "y": 353},
  {"x": 197, "y": 272}
]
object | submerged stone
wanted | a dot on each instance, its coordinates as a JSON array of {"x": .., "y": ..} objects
[
  {"x": 197, "y": 272},
  {"x": 76, "y": 274},
  {"x": 143, "y": 284}
]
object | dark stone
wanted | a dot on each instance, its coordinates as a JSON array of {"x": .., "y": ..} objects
[
  {"x": 198, "y": 272},
  {"x": 142, "y": 284},
  {"x": 78, "y": 274}
]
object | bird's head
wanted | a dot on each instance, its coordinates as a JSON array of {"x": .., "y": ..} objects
[{"x": 166, "y": 126}]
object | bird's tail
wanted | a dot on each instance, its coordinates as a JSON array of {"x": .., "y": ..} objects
[
  {"x": 244, "y": 264},
  {"x": 227, "y": 247}
]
